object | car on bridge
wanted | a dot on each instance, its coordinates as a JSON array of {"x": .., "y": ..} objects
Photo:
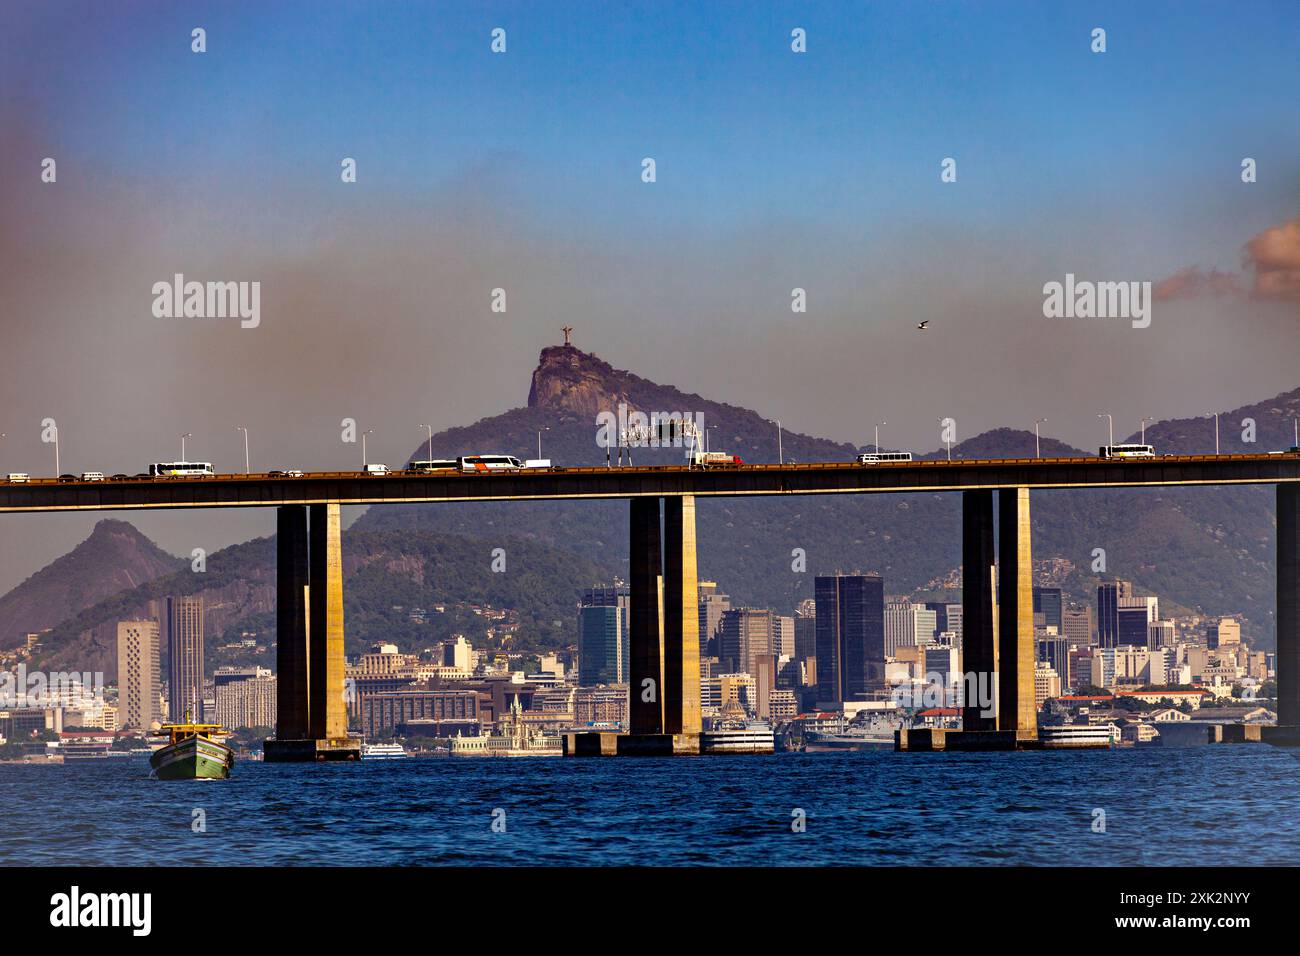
[
  {"x": 92, "y": 476},
  {"x": 284, "y": 473}
]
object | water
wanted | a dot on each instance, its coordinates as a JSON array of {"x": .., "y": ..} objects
[{"x": 1196, "y": 806}]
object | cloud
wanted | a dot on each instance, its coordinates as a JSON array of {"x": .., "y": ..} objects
[
  {"x": 1195, "y": 283},
  {"x": 1275, "y": 256}
]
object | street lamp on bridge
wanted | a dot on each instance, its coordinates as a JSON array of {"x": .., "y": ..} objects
[
  {"x": 364, "y": 459},
  {"x": 430, "y": 451},
  {"x": 544, "y": 428},
  {"x": 1110, "y": 428},
  {"x": 183, "y": 437},
  {"x": 1037, "y": 422},
  {"x": 780, "y": 452},
  {"x": 1144, "y": 429},
  {"x": 241, "y": 428},
  {"x": 878, "y": 424}
]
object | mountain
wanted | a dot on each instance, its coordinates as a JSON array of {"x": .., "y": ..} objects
[
  {"x": 116, "y": 557},
  {"x": 1204, "y": 549},
  {"x": 1207, "y": 549},
  {"x": 387, "y": 576}
]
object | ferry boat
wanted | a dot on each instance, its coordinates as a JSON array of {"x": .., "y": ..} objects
[
  {"x": 383, "y": 752},
  {"x": 755, "y": 737},
  {"x": 1078, "y": 736},
  {"x": 192, "y": 752}
]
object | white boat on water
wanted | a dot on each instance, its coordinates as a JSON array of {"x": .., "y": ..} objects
[
  {"x": 756, "y": 737},
  {"x": 383, "y": 752}
]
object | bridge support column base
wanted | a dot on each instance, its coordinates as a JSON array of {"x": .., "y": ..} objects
[
  {"x": 1241, "y": 733},
  {"x": 311, "y": 751},
  {"x": 933, "y": 739},
  {"x": 1280, "y": 736},
  {"x": 605, "y": 744}
]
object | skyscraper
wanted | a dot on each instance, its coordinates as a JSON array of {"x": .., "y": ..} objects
[
  {"x": 138, "y": 675},
  {"x": 185, "y": 658},
  {"x": 1108, "y": 598},
  {"x": 908, "y": 625},
  {"x": 603, "y": 635},
  {"x": 744, "y": 634},
  {"x": 850, "y": 636},
  {"x": 1047, "y": 602},
  {"x": 601, "y": 651},
  {"x": 712, "y": 604},
  {"x": 1136, "y": 615}
]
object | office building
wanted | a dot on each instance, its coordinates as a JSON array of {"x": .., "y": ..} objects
[
  {"x": 850, "y": 613},
  {"x": 1135, "y": 616},
  {"x": 712, "y": 605},
  {"x": 1109, "y": 596},
  {"x": 908, "y": 625},
  {"x": 185, "y": 658},
  {"x": 1047, "y": 602},
  {"x": 602, "y": 645},
  {"x": 138, "y": 678}
]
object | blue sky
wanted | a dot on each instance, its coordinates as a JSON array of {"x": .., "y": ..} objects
[{"x": 522, "y": 171}]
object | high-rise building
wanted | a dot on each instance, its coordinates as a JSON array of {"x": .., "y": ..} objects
[
  {"x": 185, "y": 658},
  {"x": 850, "y": 636},
  {"x": 1047, "y": 683},
  {"x": 782, "y": 635},
  {"x": 1109, "y": 595},
  {"x": 1076, "y": 626},
  {"x": 1054, "y": 650},
  {"x": 1226, "y": 632},
  {"x": 712, "y": 605},
  {"x": 1047, "y": 602},
  {"x": 908, "y": 625},
  {"x": 137, "y": 674},
  {"x": 244, "y": 700},
  {"x": 744, "y": 634},
  {"x": 1135, "y": 615},
  {"x": 602, "y": 645}
]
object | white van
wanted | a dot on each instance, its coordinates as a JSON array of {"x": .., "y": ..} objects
[
  {"x": 376, "y": 471},
  {"x": 18, "y": 478},
  {"x": 92, "y": 476}
]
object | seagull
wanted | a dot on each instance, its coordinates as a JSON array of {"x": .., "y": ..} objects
[{"x": 922, "y": 326}]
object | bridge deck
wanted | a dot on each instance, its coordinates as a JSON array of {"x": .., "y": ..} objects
[{"x": 355, "y": 488}]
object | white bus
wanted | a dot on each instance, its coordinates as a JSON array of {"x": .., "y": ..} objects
[
  {"x": 437, "y": 464},
  {"x": 876, "y": 457},
  {"x": 1126, "y": 451},
  {"x": 485, "y": 463},
  {"x": 182, "y": 469}
]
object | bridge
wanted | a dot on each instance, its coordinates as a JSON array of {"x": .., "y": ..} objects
[{"x": 664, "y": 706}]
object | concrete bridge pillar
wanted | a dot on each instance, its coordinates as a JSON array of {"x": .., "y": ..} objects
[
  {"x": 291, "y": 655},
  {"x": 664, "y": 634},
  {"x": 1016, "y": 698},
  {"x": 979, "y": 625},
  {"x": 1288, "y": 614},
  {"x": 309, "y": 638},
  {"x": 681, "y": 618},
  {"x": 645, "y": 627}
]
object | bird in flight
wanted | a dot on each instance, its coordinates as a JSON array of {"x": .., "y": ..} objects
[{"x": 922, "y": 326}]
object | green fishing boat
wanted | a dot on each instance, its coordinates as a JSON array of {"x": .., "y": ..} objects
[{"x": 192, "y": 753}]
